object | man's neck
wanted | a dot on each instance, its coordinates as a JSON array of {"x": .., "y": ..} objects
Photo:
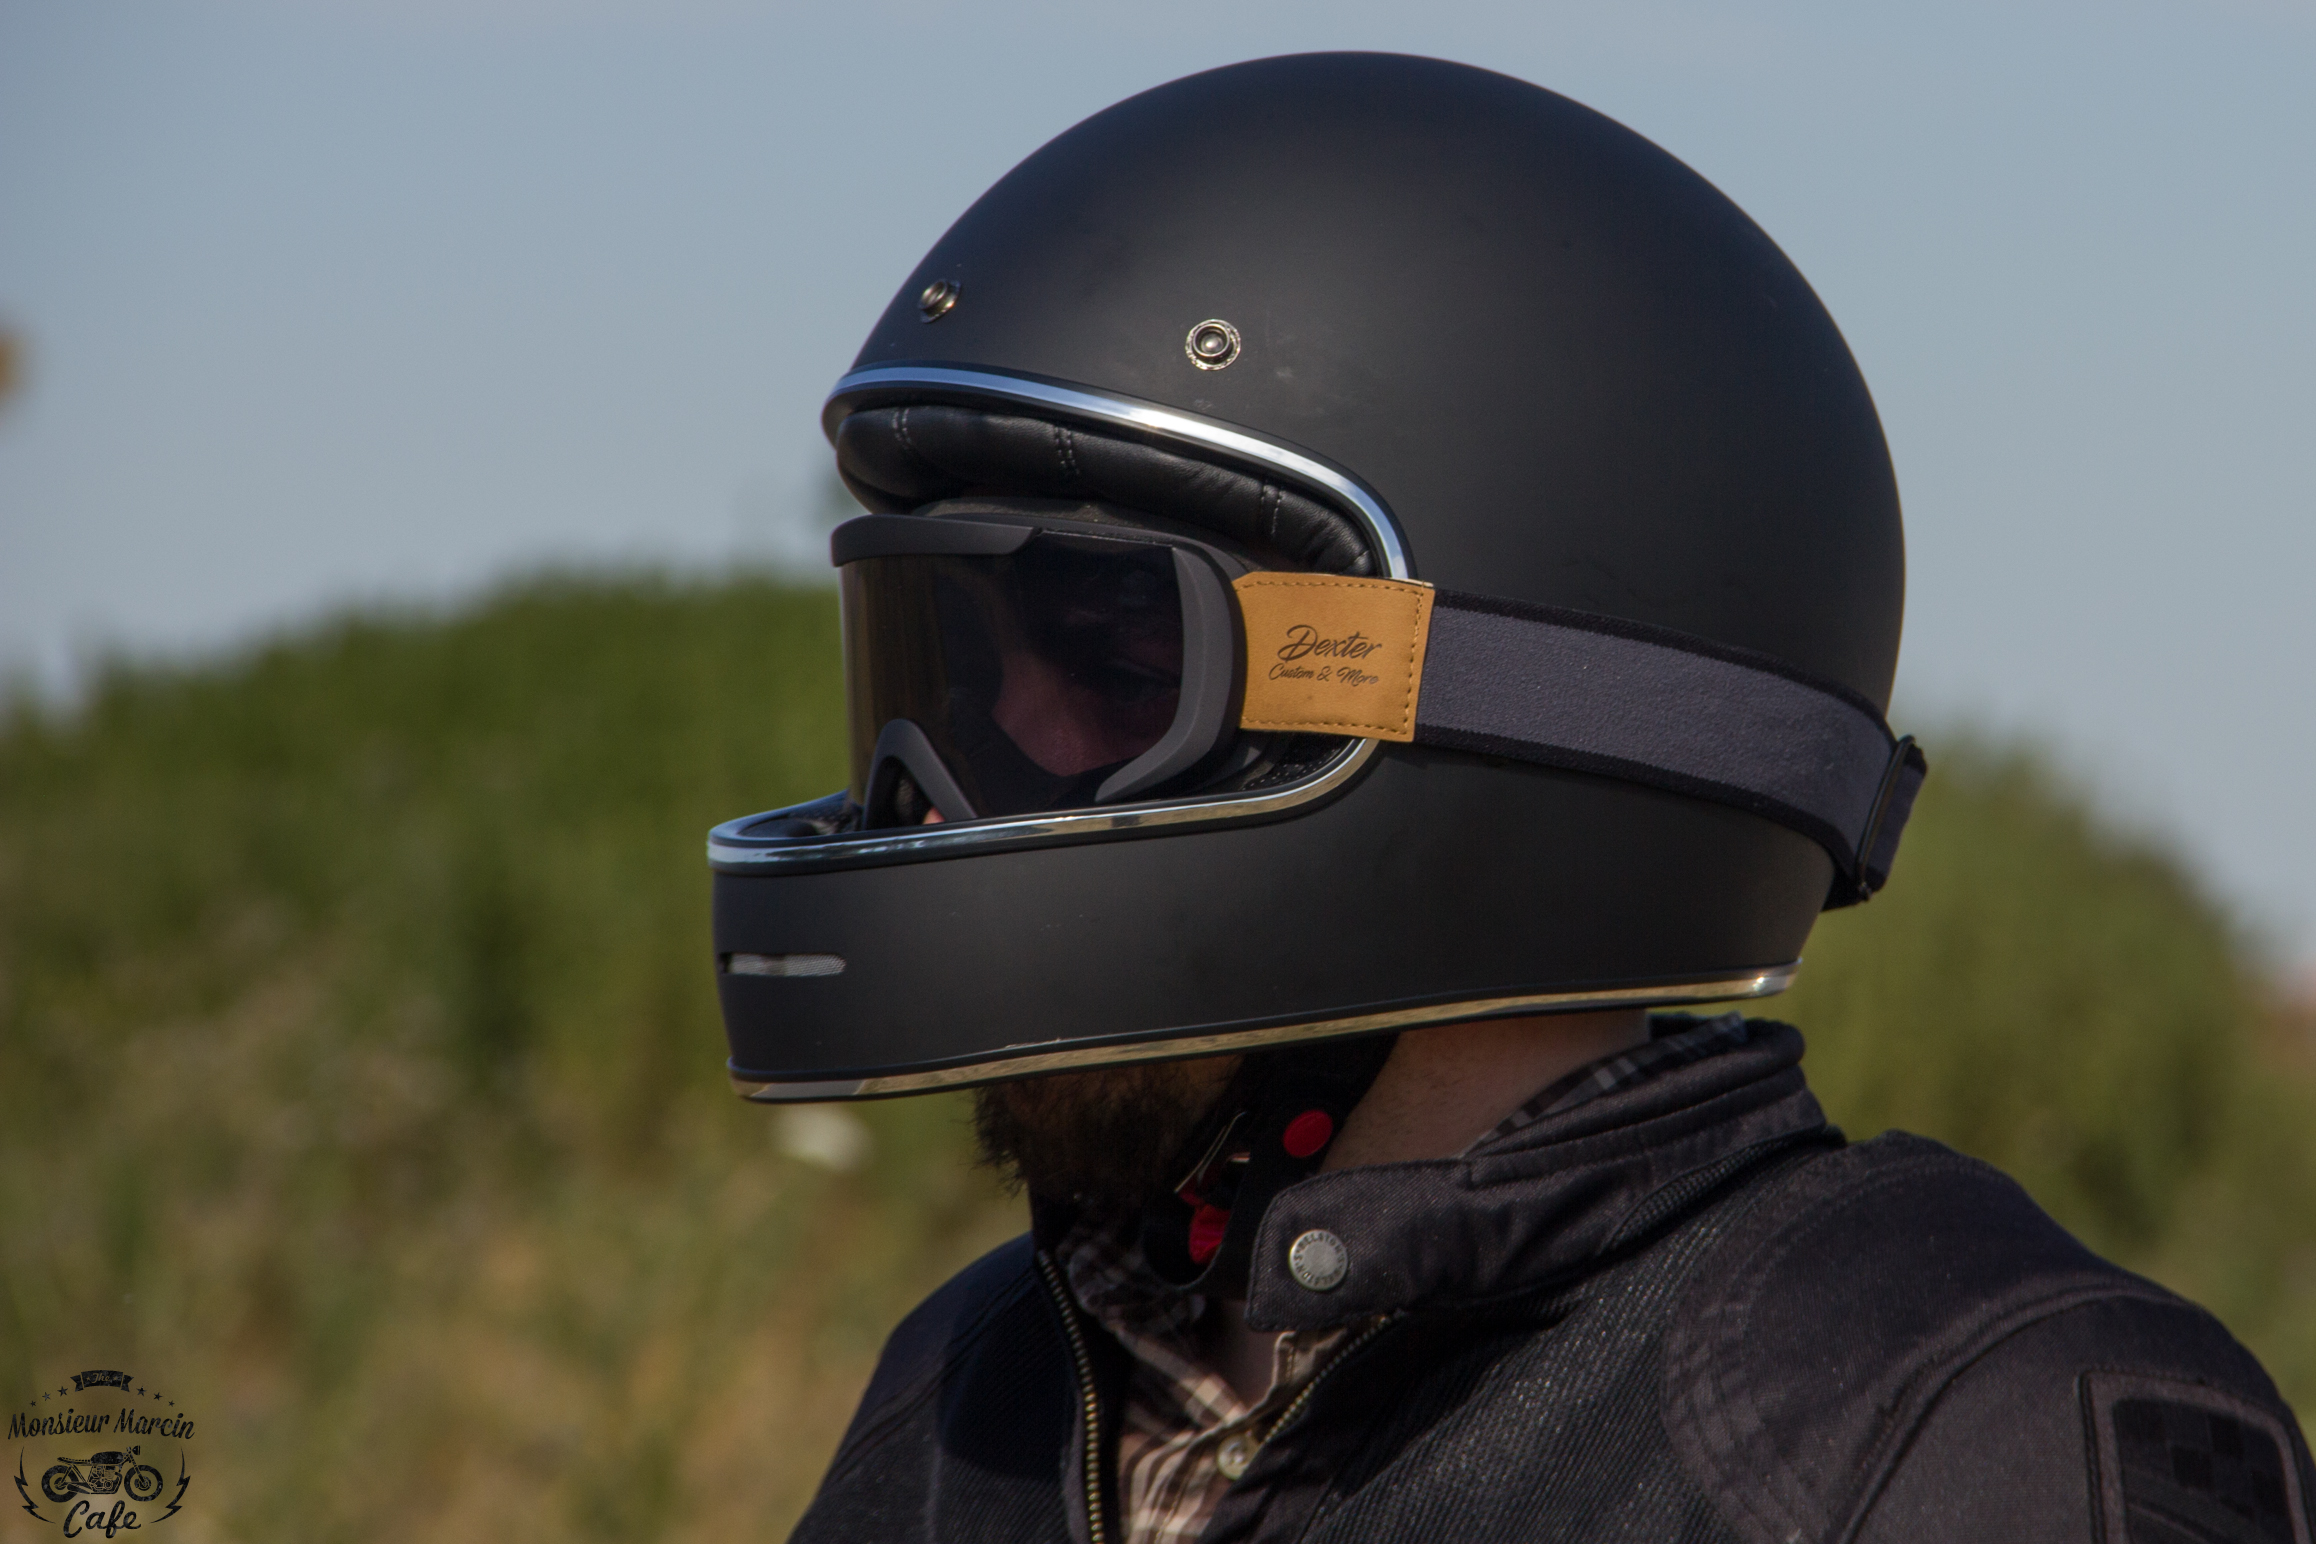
[
  {"x": 1443, "y": 1089},
  {"x": 1446, "y": 1087}
]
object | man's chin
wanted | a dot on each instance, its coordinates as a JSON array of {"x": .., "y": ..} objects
[{"x": 1114, "y": 1137}]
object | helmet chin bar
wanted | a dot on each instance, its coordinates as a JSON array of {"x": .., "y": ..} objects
[{"x": 1024, "y": 1064}]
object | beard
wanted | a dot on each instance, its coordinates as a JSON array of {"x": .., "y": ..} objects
[{"x": 1116, "y": 1137}]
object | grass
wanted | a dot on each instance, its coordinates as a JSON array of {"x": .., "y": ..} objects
[{"x": 360, "y": 1071}]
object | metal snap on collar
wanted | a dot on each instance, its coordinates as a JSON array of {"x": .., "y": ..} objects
[
  {"x": 1319, "y": 1261},
  {"x": 1234, "y": 1456}
]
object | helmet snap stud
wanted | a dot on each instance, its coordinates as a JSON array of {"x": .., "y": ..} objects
[
  {"x": 1318, "y": 1260},
  {"x": 1207, "y": 1226},
  {"x": 938, "y": 299},
  {"x": 1212, "y": 344},
  {"x": 1307, "y": 1133}
]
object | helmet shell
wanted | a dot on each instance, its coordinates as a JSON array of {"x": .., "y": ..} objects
[
  {"x": 1573, "y": 370},
  {"x": 1566, "y": 370}
]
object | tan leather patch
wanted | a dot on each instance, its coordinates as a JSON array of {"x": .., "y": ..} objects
[{"x": 1331, "y": 655}]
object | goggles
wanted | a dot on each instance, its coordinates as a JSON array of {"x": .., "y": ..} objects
[
  {"x": 1004, "y": 663},
  {"x": 1018, "y": 664}
]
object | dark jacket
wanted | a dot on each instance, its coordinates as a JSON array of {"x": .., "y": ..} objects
[{"x": 1684, "y": 1311}]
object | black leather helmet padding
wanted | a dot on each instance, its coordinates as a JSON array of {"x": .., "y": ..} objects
[{"x": 895, "y": 459}]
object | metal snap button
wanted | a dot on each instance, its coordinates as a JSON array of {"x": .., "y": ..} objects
[
  {"x": 1235, "y": 1455},
  {"x": 1212, "y": 344},
  {"x": 1318, "y": 1260},
  {"x": 939, "y": 299}
]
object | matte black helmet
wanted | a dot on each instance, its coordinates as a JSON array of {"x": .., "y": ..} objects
[{"x": 1355, "y": 541}]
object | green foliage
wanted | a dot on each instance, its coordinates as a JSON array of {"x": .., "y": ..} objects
[
  {"x": 359, "y": 1069},
  {"x": 360, "y": 1073},
  {"x": 2057, "y": 998},
  {"x": 2037, "y": 993}
]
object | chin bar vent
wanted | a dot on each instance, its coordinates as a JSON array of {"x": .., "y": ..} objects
[{"x": 783, "y": 964}]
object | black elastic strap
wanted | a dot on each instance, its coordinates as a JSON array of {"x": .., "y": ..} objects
[{"x": 1649, "y": 705}]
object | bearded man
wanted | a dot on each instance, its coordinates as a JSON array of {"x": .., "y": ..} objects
[{"x": 1379, "y": 598}]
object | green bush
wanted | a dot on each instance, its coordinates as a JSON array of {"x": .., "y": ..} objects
[
  {"x": 2056, "y": 997},
  {"x": 359, "y": 1069}
]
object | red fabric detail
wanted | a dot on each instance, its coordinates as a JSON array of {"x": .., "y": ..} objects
[
  {"x": 1206, "y": 1229},
  {"x": 1307, "y": 1133}
]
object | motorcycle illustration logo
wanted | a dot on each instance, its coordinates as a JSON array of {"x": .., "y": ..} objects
[
  {"x": 137, "y": 1437},
  {"x": 103, "y": 1474}
]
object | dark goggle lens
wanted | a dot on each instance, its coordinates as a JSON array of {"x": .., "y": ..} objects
[{"x": 1032, "y": 674}]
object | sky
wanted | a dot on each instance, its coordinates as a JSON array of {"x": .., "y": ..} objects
[{"x": 346, "y": 301}]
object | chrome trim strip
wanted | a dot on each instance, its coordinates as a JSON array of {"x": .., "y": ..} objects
[
  {"x": 802, "y": 1093},
  {"x": 725, "y": 851},
  {"x": 1763, "y": 983},
  {"x": 1381, "y": 529}
]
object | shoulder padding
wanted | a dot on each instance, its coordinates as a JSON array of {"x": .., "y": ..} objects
[
  {"x": 938, "y": 1332},
  {"x": 1817, "y": 1334},
  {"x": 2118, "y": 1420}
]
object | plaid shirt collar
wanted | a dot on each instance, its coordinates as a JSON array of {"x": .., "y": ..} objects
[{"x": 1185, "y": 1435}]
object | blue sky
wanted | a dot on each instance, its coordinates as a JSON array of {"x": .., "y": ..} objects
[{"x": 360, "y": 301}]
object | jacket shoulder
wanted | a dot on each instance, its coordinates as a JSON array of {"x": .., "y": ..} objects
[
  {"x": 1871, "y": 1288},
  {"x": 2122, "y": 1420},
  {"x": 967, "y": 1422},
  {"x": 934, "y": 1337}
]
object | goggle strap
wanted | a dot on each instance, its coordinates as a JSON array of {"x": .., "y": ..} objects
[
  {"x": 1649, "y": 705},
  {"x": 1393, "y": 660}
]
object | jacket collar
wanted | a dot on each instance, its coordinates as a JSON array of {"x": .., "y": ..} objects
[{"x": 1541, "y": 1202}]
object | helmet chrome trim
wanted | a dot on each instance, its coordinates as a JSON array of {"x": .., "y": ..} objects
[
  {"x": 1321, "y": 477},
  {"x": 1763, "y": 983},
  {"x": 732, "y": 850}
]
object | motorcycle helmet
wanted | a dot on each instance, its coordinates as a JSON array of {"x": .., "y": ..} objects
[{"x": 1352, "y": 542}]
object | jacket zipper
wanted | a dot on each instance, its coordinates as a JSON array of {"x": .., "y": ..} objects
[
  {"x": 1295, "y": 1406},
  {"x": 1089, "y": 1395}
]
